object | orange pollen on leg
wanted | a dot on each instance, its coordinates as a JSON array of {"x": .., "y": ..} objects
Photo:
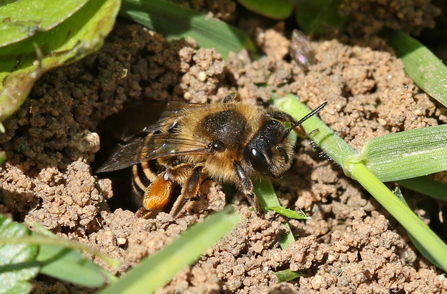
[{"x": 157, "y": 194}]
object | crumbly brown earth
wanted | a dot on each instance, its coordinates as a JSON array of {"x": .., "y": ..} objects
[
  {"x": 351, "y": 244},
  {"x": 368, "y": 17}
]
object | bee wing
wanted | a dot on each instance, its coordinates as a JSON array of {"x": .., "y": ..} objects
[
  {"x": 146, "y": 117},
  {"x": 142, "y": 149},
  {"x": 301, "y": 50},
  {"x": 170, "y": 115}
]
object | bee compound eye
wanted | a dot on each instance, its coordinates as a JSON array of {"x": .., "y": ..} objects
[{"x": 258, "y": 161}]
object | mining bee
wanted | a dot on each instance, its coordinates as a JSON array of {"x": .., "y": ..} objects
[{"x": 229, "y": 142}]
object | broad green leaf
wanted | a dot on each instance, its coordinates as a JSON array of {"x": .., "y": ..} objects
[
  {"x": 22, "y": 19},
  {"x": 422, "y": 66},
  {"x": 22, "y": 63},
  {"x": 156, "y": 270},
  {"x": 61, "y": 261},
  {"x": 69, "y": 265},
  {"x": 407, "y": 154},
  {"x": 279, "y": 9},
  {"x": 176, "y": 22},
  {"x": 17, "y": 264},
  {"x": 287, "y": 275},
  {"x": 57, "y": 257}
]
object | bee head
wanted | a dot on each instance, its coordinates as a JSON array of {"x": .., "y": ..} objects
[{"x": 269, "y": 151}]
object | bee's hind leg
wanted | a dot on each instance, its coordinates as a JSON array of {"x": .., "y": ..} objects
[
  {"x": 189, "y": 190},
  {"x": 156, "y": 196}
]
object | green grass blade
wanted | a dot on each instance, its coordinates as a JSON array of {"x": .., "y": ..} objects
[
  {"x": 288, "y": 212},
  {"x": 157, "y": 270},
  {"x": 325, "y": 138},
  {"x": 422, "y": 66},
  {"x": 176, "y": 22},
  {"x": 287, "y": 275},
  {"x": 279, "y": 9},
  {"x": 267, "y": 199},
  {"x": 408, "y": 154},
  {"x": 426, "y": 186}
]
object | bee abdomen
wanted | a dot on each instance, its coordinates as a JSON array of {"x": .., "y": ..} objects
[{"x": 143, "y": 174}]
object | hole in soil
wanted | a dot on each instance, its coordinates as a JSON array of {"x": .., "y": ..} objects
[{"x": 144, "y": 83}]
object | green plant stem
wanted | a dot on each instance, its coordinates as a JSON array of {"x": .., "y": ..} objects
[
  {"x": 402, "y": 213},
  {"x": 348, "y": 159}
]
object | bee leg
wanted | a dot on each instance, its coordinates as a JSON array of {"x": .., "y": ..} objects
[
  {"x": 144, "y": 213},
  {"x": 157, "y": 195},
  {"x": 189, "y": 190},
  {"x": 247, "y": 187}
]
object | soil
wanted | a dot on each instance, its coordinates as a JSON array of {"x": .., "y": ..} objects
[{"x": 350, "y": 245}]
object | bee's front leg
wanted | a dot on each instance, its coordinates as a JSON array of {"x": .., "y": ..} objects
[
  {"x": 189, "y": 190},
  {"x": 246, "y": 185}
]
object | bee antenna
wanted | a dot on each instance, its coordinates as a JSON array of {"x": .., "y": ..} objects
[{"x": 312, "y": 113}]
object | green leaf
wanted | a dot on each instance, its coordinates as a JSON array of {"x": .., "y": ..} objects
[
  {"x": 287, "y": 275},
  {"x": 176, "y": 22},
  {"x": 22, "y": 63},
  {"x": 61, "y": 261},
  {"x": 426, "y": 186},
  {"x": 69, "y": 265},
  {"x": 317, "y": 16},
  {"x": 17, "y": 264},
  {"x": 2, "y": 157},
  {"x": 58, "y": 259},
  {"x": 288, "y": 212},
  {"x": 279, "y": 9},
  {"x": 156, "y": 270},
  {"x": 407, "y": 154},
  {"x": 22, "y": 19},
  {"x": 422, "y": 66}
]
